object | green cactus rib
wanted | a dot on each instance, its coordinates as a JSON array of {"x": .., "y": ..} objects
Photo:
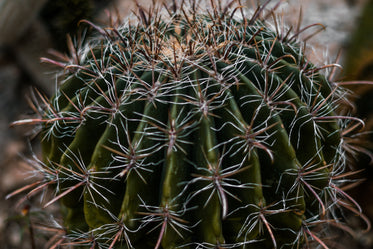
[{"x": 197, "y": 130}]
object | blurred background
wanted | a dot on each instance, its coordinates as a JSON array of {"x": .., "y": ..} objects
[{"x": 30, "y": 29}]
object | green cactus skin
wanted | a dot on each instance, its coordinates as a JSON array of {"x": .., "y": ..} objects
[{"x": 195, "y": 129}]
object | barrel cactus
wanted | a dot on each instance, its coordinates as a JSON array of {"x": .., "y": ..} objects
[{"x": 195, "y": 128}]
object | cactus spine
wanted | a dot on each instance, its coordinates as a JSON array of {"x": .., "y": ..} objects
[{"x": 195, "y": 130}]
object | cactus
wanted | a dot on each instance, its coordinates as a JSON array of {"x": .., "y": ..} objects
[{"x": 195, "y": 129}]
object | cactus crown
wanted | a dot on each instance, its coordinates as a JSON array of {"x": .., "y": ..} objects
[{"x": 202, "y": 129}]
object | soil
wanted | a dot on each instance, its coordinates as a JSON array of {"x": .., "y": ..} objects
[{"x": 17, "y": 231}]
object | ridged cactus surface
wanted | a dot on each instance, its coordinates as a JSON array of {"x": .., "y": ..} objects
[{"x": 196, "y": 128}]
